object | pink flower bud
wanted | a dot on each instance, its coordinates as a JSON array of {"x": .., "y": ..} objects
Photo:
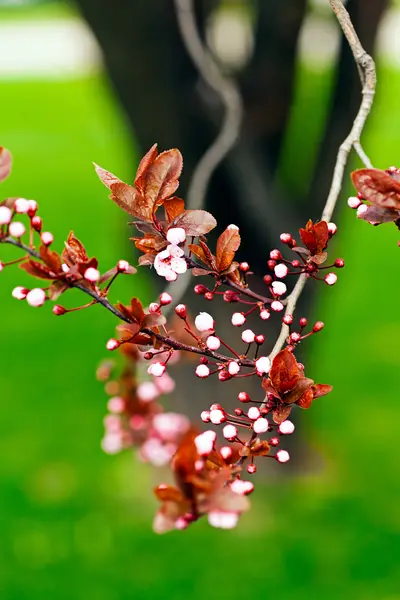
[
  {"x": 265, "y": 314},
  {"x": 213, "y": 342},
  {"x": 65, "y": 268},
  {"x": 263, "y": 364},
  {"x": 259, "y": 339},
  {"x": 286, "y": 428},
  {"x": 224, "y": 375},
  {"x": 147, "y": 391},
  {"x": 19, "y": 293},
  {"x": 5, "y": 215},
  {"x": 339, "y": 263},
  {"x": 229, "y": 432},
  {"x": 59, "y": 310},
  {"x": 33, "y": 206},
  {"x": 233, "y": 227},
  {"x": 260, "y": 425},
  {"x": 112, "y": 344},
  {"x": 243, "y": 397},
  {"x": 248, "y": 336},
  {"x": 354, "y": 202},
  {"x": 165, "y": 299},
  {"x": 238, "y": 319},
  {"x": 47, "y": 238},
  {"x": 222, "y": 519},
  {"x": 285, "y": 238},
  {"x": 205, "y": 416},
  {"x": 318, "y": 326},
  {"x": 36, "y": 223},
  {"x": 233, "y": 368},
  {"x": 181, "y": 311},
  {"x": 116, "y": 404},
  {"x": 278, "y": 288},
  {"x": 242, "y": 487},
  {"x": 176, "y": 235},
  {"x": 275, "y": 255},
  {"x": 122, "y": 266},
  {"x": 251, "y": 469},
  {"x": 330, "y": 279},
  {"x": 295, "y": 338},
  {"x": 156, "y": 369},
  {"x": 91, "y": 275},
  {"x": 287, "y": 319},
  {"x": 200, "y": 289},
  {"x": 217, "y": 416},
  {"x": 226, "y": 452},
  {"x": 244, "y": 267},
  {"x": 36, "y": 297},
  {"x": 1, "y": 266},
  {"x": 17, "y": 229},
  {"x": 204, "y": 322},
  {"x": 282, "y": 456},
  {"x": 205, "y": 442},
  {"x": 154, "y": 308},
  {"x": 202, "y": 371},
  {"x": 332, "y": 228},
  {"x": 277, "y": 306},
  {"x": 281, "y": 271},
  {"x": 21, "y": 206},
  {"x": 253, "y": 413}
]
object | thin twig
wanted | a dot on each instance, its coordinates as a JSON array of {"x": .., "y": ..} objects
[
  {"x": 169, "y": 342},
  {"x": 230, "y": 128},
  {"x": 366, "y": 67}
]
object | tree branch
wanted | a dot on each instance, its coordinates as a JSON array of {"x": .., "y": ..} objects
[{"x": 366, "y": 67}]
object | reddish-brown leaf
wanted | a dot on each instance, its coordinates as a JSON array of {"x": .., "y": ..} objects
[
  {"x": 136, "y": 310},
  {"x": 227, "y": 245},
  {"x": 320, "y": 258},
  {"x": 106, "y": 177},
  {"x": 377, "y": 215},
  {"x": 56, "y": 289},
  {"x": 168, "y": 493},
  {"x": 37, "y": 269},
  {"x": 303, "y": 383},
  {"x": 199, "y": 253},
  {"x": 315, "y": 237},
  {"x": 281, "y": 413},
  {"x": 284, "y": 372},
  {"x": 131, "y": 201},
  {"x": 377, "y": 187},
  {"x": 5, "y": 163},
  {"x": 52, "y": 259},
  {"x": 195, "y": 222},
  {"x": 75, "y": 251},
  {"x": 173, "y": 207},
  {"x": 146, "y": 244},
  {"x": 146, "y": 161},
  {"x": 306, "y": 399},
  {"x": 160, "y": 178},
  {"x": 321, "y": 389}
]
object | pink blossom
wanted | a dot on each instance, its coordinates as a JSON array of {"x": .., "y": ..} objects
[
  {"x": 205, "y": 442},
  {"x": 5, "y": 215},
  {"x": 354, "y": 202},
  {"x": 176, "y": 235},
  {"x": 17, "y": 229},
  {"x": 331, "y": 278},
  {"x": 277, "y": 306},
  {"x": 332, "y": 228},
  {"x": 156, "y": 452},
  {"x": 286, "y": 428},
  {"x": 260, "y": 425},
  {"x": 238, "y": 319},
  {"x": 248, "y": 336},
  {"x": 265, "y": 314},
  {"x": 233, "y": 227},
  {"x": 205, "y": 416},
  {"x": 282, "y": 456},
  {"x": 165, "y": 384},
  {"x": 278, "y": 288},
  {"x": 226, "y": 452},
  {"x": 112, "y": 344},
  {"x": 202, "y": 371},
  {"x": 222, "y": 519},
  {"x": 123, "y": 266},
  {"x": 285, "y": 238},
  {"x": 116, "y": 404},
  {"x": 156, "y": 369},
  {"x": 169, "y": 262},
  {"x": 165, "y": 299},
  {"x": 21, "y": 206},
  {"x": 217, "y": 416},
  {"x": 47, "y": 238},
  {"x": 281, "y": 270},
  {"x": 112, "y": 443},
  {"x": 204, "y": 322},
  {"x": 36, "y": 297},
  {"x": 253, "y": 413},
  {"x": 263, "y": 364},
  {"x": 92, "y": 275},
  {"x": 229, "y": 432},
  {"x": 233, "y": 368},
  {"x": 171, "y": 426},
  {"x": 213, "y": 343},
  {"x": 147, "y": 391},
  {"x": 19, "y": 293},
  {"x": 242, "y": 487}
]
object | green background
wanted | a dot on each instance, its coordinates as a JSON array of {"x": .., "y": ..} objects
[{"x": 75, "y": 523}]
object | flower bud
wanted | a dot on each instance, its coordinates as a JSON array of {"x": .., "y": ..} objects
[
  {"x": 5, "y": 215},
  {"x": 330, "y": 278},
  {"x": 17, "y": 229},
  {"x": 277, "y": 306},
  {"x": 181, "y": 311},
  {"x": 36, "y": 297},
  {"x": 288, "y": 319},
  {"x": 332, "y": 228},
  {"x": 244, "y": 267},
  {"x": 275, "y": 255},
  {"x": 238, "y": 319},
  {"x": 122, "y": 266},
  {"x": 318, "y": 326},
  {"x": 233, "y": 368},
  {"x": 213, "y": 342},
  {"x": 21, "y": 206},
  {"x": 260, "y": 425},
  {"x": 243, "y": 397},
  {"x": 339, "y": 263},
  {"x": 47, "y": 238},
  {"x": 285, "y": 238},
  {"x": 282, "y": 456},
  {"x": 281, "y": 270},
  {"x": 278, "y": 288},
  {"x": 154, "y": 308},
  {"x": 176, "y": 235},
  {"x": 229, "y": 432},
  {"x": 251, "y": 468},
  {"x": 253, "y": 413},
  {"x": 156, "y": 369},
  {"x": 36, "y": 223},
  {"x": 202, "y": 371},
  {"x": 19, "y": 293},
  {"x": 286, "y": 428},
  {"x": 200, "y": 289},
  {"x": 248, "y": 336},
  {"x": 92, "y": 275},
  {"x": 112, "y": 344},
  {"x": 259, "y": 339},
  {"x": 263, "y": 364},
  {"x": 165, "y": 299},
  {"x": 204, "y": 322},
  {"x": 59, "y": 310}
]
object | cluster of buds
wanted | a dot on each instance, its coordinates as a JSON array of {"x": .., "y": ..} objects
[{"x": 173, "y": 239}]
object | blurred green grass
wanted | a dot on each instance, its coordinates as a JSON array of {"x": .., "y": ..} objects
[{"x": 76, "y": 524}]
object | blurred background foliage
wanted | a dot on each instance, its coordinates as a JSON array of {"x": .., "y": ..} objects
[{"x": 76, "y": 524}]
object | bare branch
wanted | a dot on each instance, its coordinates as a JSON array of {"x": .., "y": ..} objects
[{"x": 366, "y": 67}]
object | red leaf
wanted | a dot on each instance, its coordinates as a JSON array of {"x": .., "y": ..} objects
[
  {"x": 131, "y": 201},
  {"x": 199, "y": 253},
  {"x": 146, "y": 161},
  {"x": 227, "y": 245},
  {"x": 195, "y": 222},
  {"x": 106, "y": 177},
  {"x": 281, "y": 413},
  {"x": 37, "y": 269},
  {"x": 173, "y": 207},
  {"x": 377, "y": 187},
  {"x": 377, "y": 215},
  {"x": 56, "y": 289},
  {"x": 321, "y": 389},
  {"x": 74, "y": 252},
  {"x": 5, "y": 163},
  {"x": 306, "y": 399},
  {"x": 159, "y": 179},
  {"x": 315, "y": 237},
  {"x": 284, "y": 371},
  {"x": 303, "y": 384},
  {"x": 52, "y": 259}
]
